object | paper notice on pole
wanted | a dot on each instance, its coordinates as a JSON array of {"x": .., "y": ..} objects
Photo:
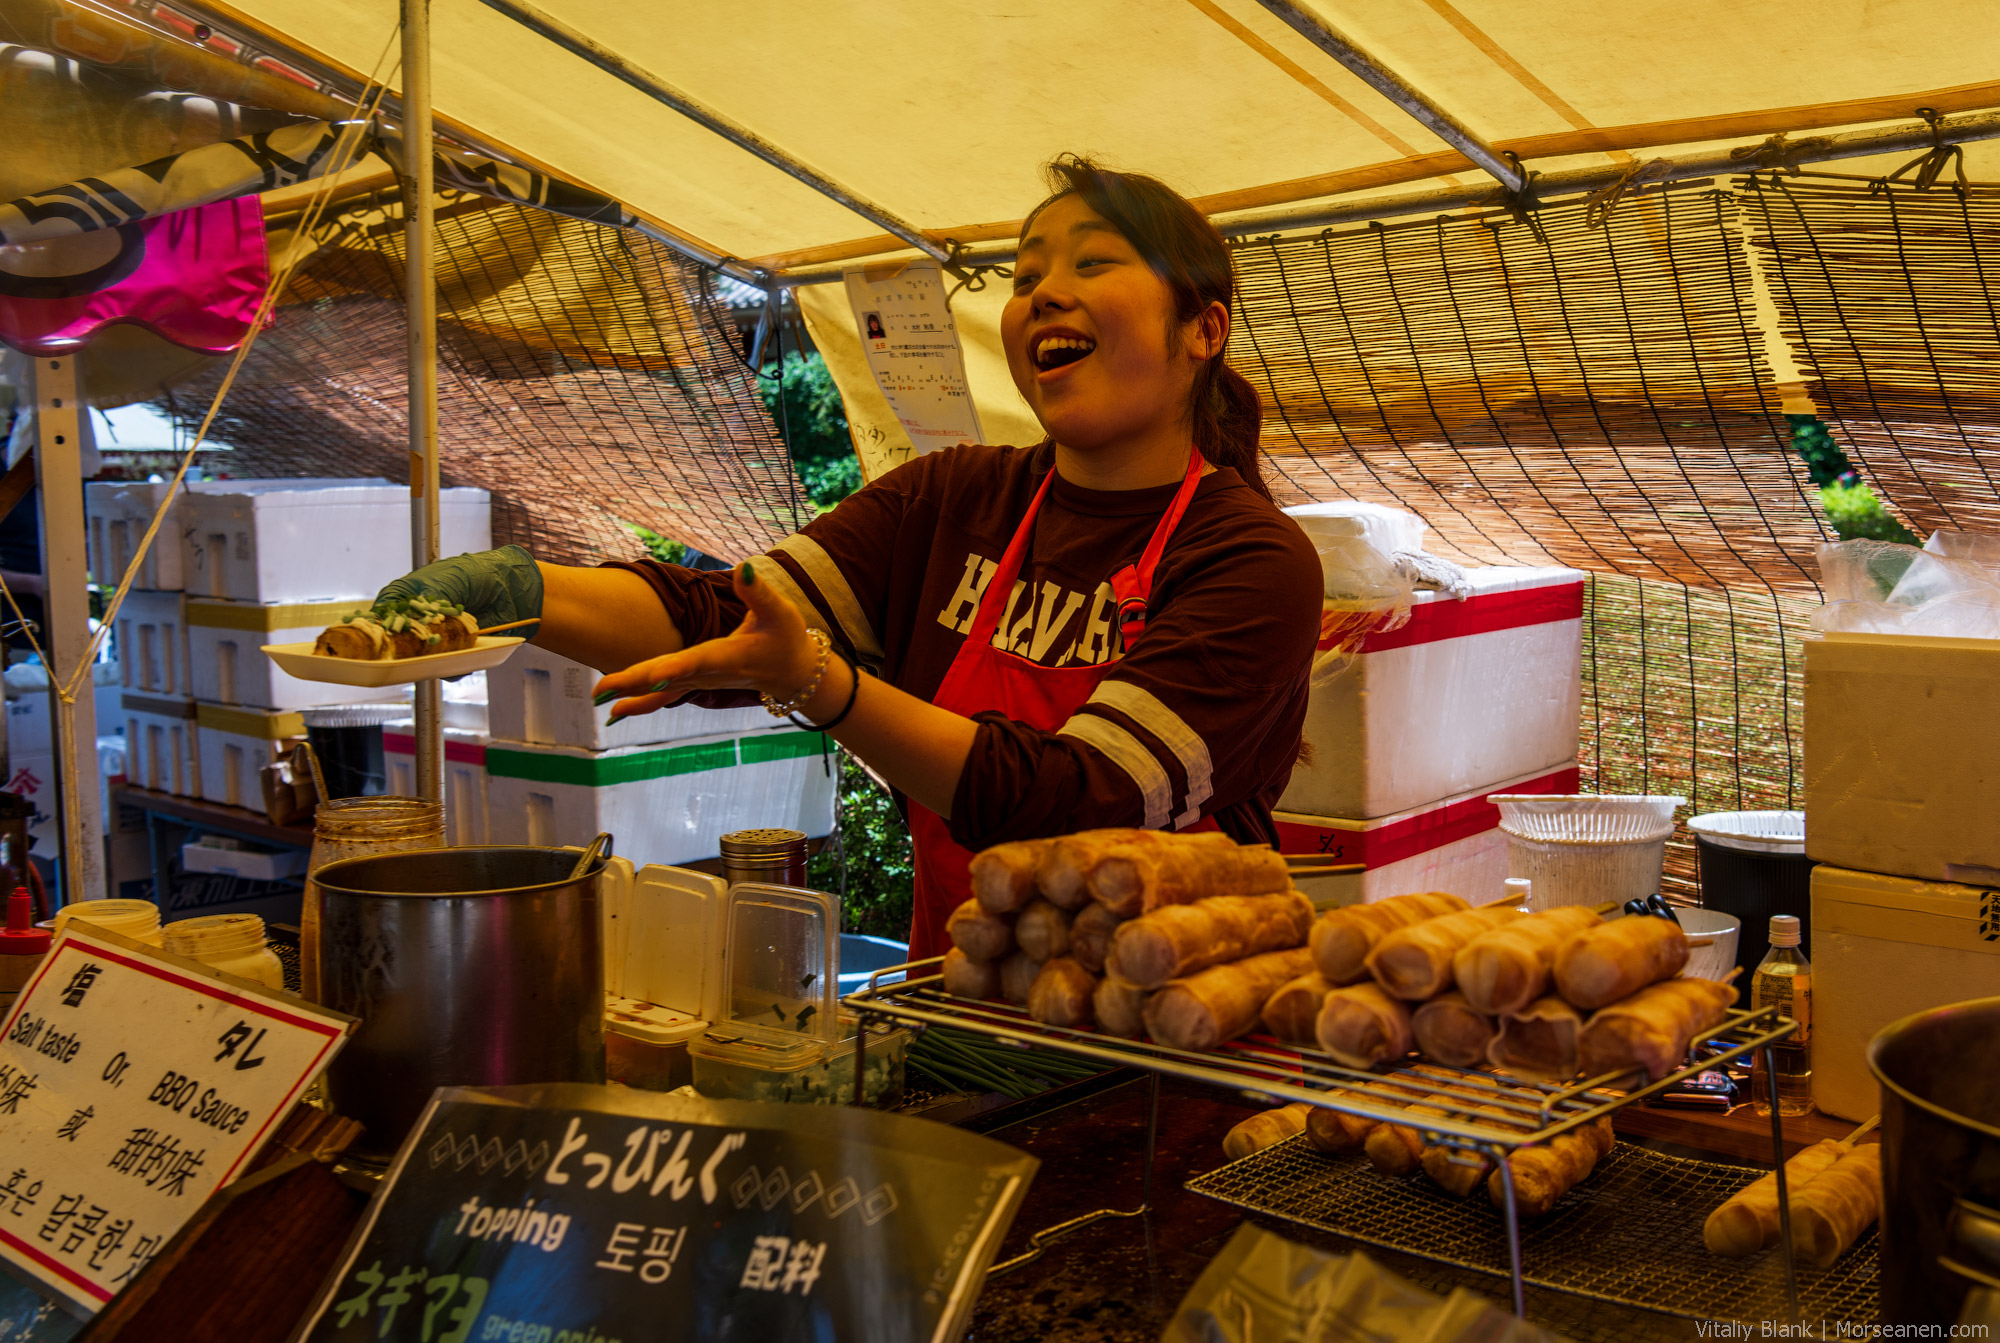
[
  {"x": 912, "y": 346},
  {"x": 132, "y": 1086}
]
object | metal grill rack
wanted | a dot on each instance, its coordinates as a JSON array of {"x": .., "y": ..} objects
[{"x": 1476, "y": 1112}]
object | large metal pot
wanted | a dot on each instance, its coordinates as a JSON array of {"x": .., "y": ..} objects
[
  {"x": 468, "y": 967},
  {"x": 1940, "y": 1076}
]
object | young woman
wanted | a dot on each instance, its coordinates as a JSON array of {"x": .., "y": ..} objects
[{"x": 1111, "y": 628}]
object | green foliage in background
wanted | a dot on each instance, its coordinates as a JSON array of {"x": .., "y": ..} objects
[
  {"x": 875, "y": 842},
  {"x": 1857, "y": 515},
  {"x": 815, "y": 424},
  {"x": 661, "y": 548},
  {"x": 1825, "y": 462}
]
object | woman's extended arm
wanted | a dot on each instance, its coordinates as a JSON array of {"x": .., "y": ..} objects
[
  {"x": 916, "y": 746},
  {"x": 603, "y": 618}
]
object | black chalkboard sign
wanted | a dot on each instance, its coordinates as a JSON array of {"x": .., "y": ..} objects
[{"x": 580, "y": 1214}]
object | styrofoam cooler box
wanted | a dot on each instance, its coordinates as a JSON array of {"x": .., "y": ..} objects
[
  {"x": 153, "y": 643},
  {"x": 116, "y": 515},
  {"x": 1455, "y": 845},
  {"x": 277, "y": 541},
  {"x": 162, "y": 744},
  {"x": 226, "y": 666},
  {"x": 466, "y": 818},
  {"x": 542, "y": 699},
  {"x": 1902, "y": 758},
  {"x": 235, "y": 744},
  {"x": 662, "y": 804},
  {"x": 1883, "y": 948},
  {"x": 1468, "y": 693}
]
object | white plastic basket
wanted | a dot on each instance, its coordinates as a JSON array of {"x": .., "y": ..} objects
[
  {"x": 1753, "y": 831},
  {"x": 1584, "y": 849}
]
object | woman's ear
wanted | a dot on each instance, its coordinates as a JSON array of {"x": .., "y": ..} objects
[{"x": 1207, "y": 332}]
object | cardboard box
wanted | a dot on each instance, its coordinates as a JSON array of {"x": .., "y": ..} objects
[
  {"x": 1902, "y": 756},
  {"x": 466, "y": 817},
  {"x": 235, "y": 744},
  {"x": 162, "y": 744},
  {"x": 1466, "y": 694},
  {"x": 1455, "y": 845},
  {"x": 116, "y": 515},
  {"x": 662, "y": 804},
  {"x": 153, "y": 643},
  {"x": 538, "y": 698},
  {"x": 223, "y": 639},
  {"x": 279, "y": 541},
  {"x": 1882, "y": 948}
]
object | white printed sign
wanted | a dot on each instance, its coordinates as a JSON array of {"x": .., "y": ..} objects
[
  {"x": 132, "y": 1086},
  {"x": 912, "y": 347}
]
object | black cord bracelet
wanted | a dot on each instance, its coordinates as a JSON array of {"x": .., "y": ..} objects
[{"x": 853, "y": 693}]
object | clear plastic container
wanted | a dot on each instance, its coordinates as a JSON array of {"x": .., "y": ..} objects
[
  {"x": 359, "y": 827},
  {"x": 136, "y": 919},
  {"x": 733, "y": 1066},
  {"x": 232, "y": 943},
  {"x": 780, "y": 964}
]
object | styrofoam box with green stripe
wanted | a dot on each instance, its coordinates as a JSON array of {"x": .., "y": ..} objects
[
  {"x": 543, "y": 699},
  {"x": 662, "y": 804},
  {"x": 225, "y": 665}
]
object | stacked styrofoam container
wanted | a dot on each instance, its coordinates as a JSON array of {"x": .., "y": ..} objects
[
  {"x": 116, "y": 516},
  {"x": 1473, "y": 695},
  {"x": 157, "y": 707},
  {"x": 667, "y": 785},
  {"x": 466, "y": 812},
  {"x": 276, "y": 561}
]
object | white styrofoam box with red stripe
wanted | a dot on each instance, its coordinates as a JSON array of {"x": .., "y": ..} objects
[
  {"x": 1467, "y": 693},
  {"x": 1453, "y": 845},
  {"x": 466, "y": 820},
  {"x": 541, "y": 699}
]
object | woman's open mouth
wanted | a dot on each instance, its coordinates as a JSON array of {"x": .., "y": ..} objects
[{"x": 1057, "y": 352}]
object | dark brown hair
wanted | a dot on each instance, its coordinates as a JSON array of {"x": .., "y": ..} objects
[{"x": 1187, "y": 253}]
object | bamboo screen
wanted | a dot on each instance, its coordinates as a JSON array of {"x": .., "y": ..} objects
[
  {"x": 583, "y": 379},
  {"x": 1891, "y": 296},
  {"x": 1580, "y": 396}
]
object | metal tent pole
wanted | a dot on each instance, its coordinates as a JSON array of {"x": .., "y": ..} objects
[{"x": 420, "y": 298}]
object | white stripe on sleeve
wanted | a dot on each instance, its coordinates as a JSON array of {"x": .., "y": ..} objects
[
  {"x": 1125, "y": 751},
  {"x": 842, "y": 604},
  {"x": 1145, "y": 709}
]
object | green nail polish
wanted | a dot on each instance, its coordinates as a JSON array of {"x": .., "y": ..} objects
[
  {"x": 604, "y": 697},
  {"x": 746, "y": 573},
  {"x": 613, "y": 719},
  {"x": 661, "y": 686}
]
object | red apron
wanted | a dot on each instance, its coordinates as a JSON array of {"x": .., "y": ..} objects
[{"x": 983, "y": 678}]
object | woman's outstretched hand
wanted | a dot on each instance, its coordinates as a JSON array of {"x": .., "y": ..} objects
[{"x": 769, "y": 653}]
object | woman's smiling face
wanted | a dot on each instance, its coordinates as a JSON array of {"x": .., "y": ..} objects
[{"x": 1089, "y": 333}]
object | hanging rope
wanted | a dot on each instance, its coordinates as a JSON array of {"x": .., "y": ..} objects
[
  {"x": 354, "y": 141},
  {"x": 1598, "y": 206},
  {"x": 1930, "y": 164}
]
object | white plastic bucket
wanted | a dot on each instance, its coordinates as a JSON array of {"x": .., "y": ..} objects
[
  {"x": 1588, "y": 848},
  {"x": 1753, "y": 831},
  {"x": 1718, "y": 958}
]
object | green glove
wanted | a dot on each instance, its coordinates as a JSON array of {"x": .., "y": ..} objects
[{"x": 497, "y": 587}]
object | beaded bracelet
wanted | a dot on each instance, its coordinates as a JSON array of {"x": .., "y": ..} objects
[
  {"x": 853, "y": 693},
  {"x": 811, "y": 688}
]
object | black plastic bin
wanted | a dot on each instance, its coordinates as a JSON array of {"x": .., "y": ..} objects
[{"x": 1754, "y": 865}]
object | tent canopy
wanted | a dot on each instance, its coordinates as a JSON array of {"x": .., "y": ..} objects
[{"x": 942, "y": 114}]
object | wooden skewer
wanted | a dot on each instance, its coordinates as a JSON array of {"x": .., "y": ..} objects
[
  {"x": 510, "y": 625},
  {"x": 1863, "y": 1131}
]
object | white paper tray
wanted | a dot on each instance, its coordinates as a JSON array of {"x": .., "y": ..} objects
[{"x": 299, "y": 660}]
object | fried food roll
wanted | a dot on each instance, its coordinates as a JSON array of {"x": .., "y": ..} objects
[
  {"x": 1265, "y": 1129},
  {"x": 1060, "y": 872},
  {"x": 1654, "y": 1028},
  {"x": 1061, "y": 994},
  {"x": 1178, "y": 940},
  {"x": 1510, "y": 966},
  {"x": 967, "y": 978},
  {"x": 355, "y": 640},
  {"x": 1397, "y": 1149},
  {"x": 1018, "y": 973},
  {"x": 1414, "y": 963},
  {"x": 1342, "y": 938},
  {"x": 1542, "y": 1040},
  {"x": 1132, "y": 879},
  {"x": 1120, "y": 1008},
  {"x": 1545, "y": 1172},
  {"x": 1449, "y": 1030},
  {"x": 1003, "y": 877},
  {"x": 454, "y": 634},
  {"x": 1090, "y": 935},
  {"x": 1042, "y": 930},
  {"x": 1361, "y": 1026},
  {"x": 1747, "y": 1223},
  {"x": 1456, "y": 1170},
  {"x": 982, "y": 936},
  {"x": 1293, "y": 1011},
  {"x": 1615, "y": 960},
  {"x": 1221, "y": 1002},
  {"x": 1831, "y": 1212}
]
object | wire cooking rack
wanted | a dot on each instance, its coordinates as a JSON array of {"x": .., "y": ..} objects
[
  {"x": 1631, "y": 1233},
  {"x": 1482, "y": 1114}
]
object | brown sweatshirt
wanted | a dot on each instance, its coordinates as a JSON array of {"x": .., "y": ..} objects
[{"x": 1202, "y": 718}]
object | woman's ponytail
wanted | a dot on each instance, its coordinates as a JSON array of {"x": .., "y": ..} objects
[{"x": 1184, "y": 250}]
